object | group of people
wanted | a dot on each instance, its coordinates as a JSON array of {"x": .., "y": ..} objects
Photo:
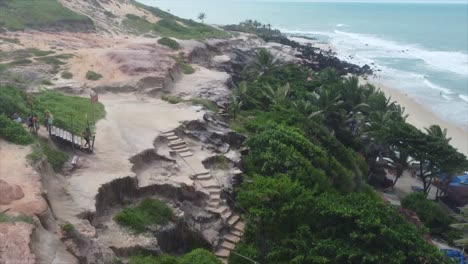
[
  {"x": 32, "y": 121},
  {"x": 33, "y": 124}
]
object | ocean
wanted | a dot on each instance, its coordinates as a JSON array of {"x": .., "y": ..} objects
[{"x": 419, "y": 48}]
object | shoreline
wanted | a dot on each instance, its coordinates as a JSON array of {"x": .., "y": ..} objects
[{"x": 421, "y": 117}]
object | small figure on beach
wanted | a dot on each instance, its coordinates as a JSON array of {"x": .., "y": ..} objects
[{"x": 87, "y": 136}]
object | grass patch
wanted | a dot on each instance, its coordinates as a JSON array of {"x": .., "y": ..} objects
[
  {"x": 40, "y": 53},
  {"x": 55, "y": 157},
  {"x": 172, "y": 99},
  {"x": 186, "y": 68},
  {"x": 14, "y": 132},
  {"x": 168, "y": 26},
  {"x": 64, "y": 107},
  {"x": 147, "y": 213},
  {"x": 22, "y": 14},
  {"x": 55, "y": 61},
  {"x": 93, "y": 76},
  {"x": 207, "y": 104},
  {"x": 4, "y": 218},
  {"x": 169, "y": 43},
  {"x": 68, "y": 228},
  {"x": 67, "y": 75},
  {"x": 46, "y": 82},
  {"x": 138, "y": 24},
  {"x": 20, "y": 62},
  {"x": 10, "y": 40}
]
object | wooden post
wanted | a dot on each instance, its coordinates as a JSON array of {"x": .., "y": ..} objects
[{"x": 71, "y": 131}]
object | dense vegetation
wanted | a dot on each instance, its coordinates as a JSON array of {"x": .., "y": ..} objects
[
  {"x": 431, "y": 214},
  {"x": 316, "y": 141},
  {"x": 20, "y": 14},
  {"x": 148, "y": 213},
  {"x": 199, "y": 256}
]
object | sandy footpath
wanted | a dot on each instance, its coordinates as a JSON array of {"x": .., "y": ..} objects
[{"x": 421, "y": 117}]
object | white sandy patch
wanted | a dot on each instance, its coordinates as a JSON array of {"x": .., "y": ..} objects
[
  {"x": 130, "y": 127},
  {"x": 15, "y": 170}
]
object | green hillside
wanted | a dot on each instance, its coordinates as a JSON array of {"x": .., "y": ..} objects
[
  {"x": 172, "y": 26},
  {"x": 22, "y": 14}
]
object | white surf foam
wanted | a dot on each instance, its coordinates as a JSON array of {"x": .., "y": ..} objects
[
  {"x": 437, "y": 87},
  {"x": 463, "y": 97},
  {"x": 456, "y": 62},
  {"x": 341, "y": 25}
]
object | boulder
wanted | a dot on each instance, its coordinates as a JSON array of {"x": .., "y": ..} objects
[{"x": 9, "y": 193}]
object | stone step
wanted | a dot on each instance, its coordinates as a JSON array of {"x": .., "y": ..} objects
[
  {"x": 172, "y": 138},
  {"x": 203, "y": 173},
  {"x": 228, "y": 245},
  {"x": 209, "y": 184},
  {"x": 226, "y": 214},
  {"x": 214, "y": 190},
  {"x": 214, "y": 197},
  {"x": 232, "y": 238},
  {"x": 239, "y": 226},
  {"x": 177, "y": 144},
  {"x": 219, "y": 210},
  {"x": 214, "y": 204},
  {"x": 180, "y": 150},
  {"x": 233, "y": 219},
  {"x": 169, "y": 133},
  {"x": 236, "y": 233},
  {"x": 204, "y": 177},
  {"x": 186, "y": 154},
  {"x": 222, "y": 253}
]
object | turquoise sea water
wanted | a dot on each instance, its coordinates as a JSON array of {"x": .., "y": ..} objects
[{"x": 421, "y": 49}]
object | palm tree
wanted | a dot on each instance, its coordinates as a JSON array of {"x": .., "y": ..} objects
[
  {"x": 234, "y": 107},
  {"x": 202, "y": 17},
  {"x": 278, "y": 95},
  {"x": 264, "y": 63},
  {"x": 436, "y": 131},
  {"x": 304, "y": 107},
  {"x": 400, "y": 163}
]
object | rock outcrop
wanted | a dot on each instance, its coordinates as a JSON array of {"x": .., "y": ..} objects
[
  {"x": 15, "y": 241},
  {"x": 9, "y": 193}
]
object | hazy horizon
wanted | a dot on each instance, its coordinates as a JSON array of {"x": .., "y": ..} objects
[{"x": 155, "y": 2}]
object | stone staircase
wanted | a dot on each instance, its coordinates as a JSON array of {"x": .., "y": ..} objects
[{"x": 215, "y": 203}]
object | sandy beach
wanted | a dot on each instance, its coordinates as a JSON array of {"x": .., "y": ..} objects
[{"x": 421, "y": 117}]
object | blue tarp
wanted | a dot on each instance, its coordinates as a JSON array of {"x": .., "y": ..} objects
[
  {"x": 455, "y": 255},
  {"x": 460, "y": 181}
]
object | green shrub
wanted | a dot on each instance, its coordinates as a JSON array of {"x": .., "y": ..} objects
[
  {"x": 172, "y": 99},
  {"x": 20, "y": 62},
  {"x": 4, "y": 218},
  {"x": 169, "y": 43},
  {"x": 67, "y": 227},
  {"x": 207, "y": 104},
  {"x": 138, "y": 24},
  {"x": 147, "y": 213},
  {"x": 93, "y": 76},
  {"x": 40, "y": 53},
  {"x": 13, "y": 101},
  {"x": 46, "y": 82},
  {"x": 186, "y": 68},
  {"x": 55, "y": 157},
  {"x": 199, "y": 256},
  {"x": 163, "y": 259},
  {"x": 429, "y": 212},
  {"x": 67, "y": 75},
  {"x": 14, "y": 132}
]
